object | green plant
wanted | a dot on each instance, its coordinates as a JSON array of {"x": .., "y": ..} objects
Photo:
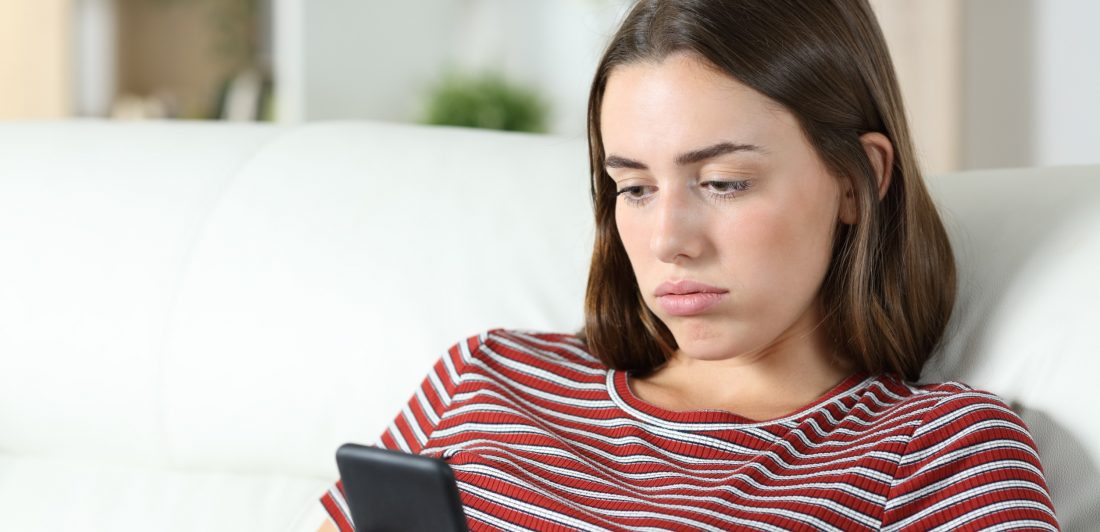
[{"x": 486, "y": 100}]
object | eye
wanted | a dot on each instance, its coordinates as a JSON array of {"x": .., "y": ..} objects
[
  {"x": 726, "y": 189},
  {"x": 636, "y": 195}
]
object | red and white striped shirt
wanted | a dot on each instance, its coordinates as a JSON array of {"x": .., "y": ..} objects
[{"x": 543, "y": 436}]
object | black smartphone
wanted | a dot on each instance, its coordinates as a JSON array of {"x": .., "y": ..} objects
[{"x": 389, "y": 491}]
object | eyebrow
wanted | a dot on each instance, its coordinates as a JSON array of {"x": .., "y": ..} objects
[{"x": 694, "y": 156}]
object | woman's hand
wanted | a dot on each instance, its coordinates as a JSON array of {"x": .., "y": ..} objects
[{"x": 328, "y": 526}]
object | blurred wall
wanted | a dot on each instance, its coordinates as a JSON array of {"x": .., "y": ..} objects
[
  {"x": 369, "y": 58},
  {"x": 375, "y": 59},
  {"x": 95, "y": 55},
  {"x": 924, "y": 41},
  {"x": 1067, "y": 82},
  {"x": 35, "y": 59},
  {"x": 1001, "y": 49},
  {"x": 1032, "y": 76},
  {"x": 987, "y": 83},
  {"x": 184, "y": 51}
]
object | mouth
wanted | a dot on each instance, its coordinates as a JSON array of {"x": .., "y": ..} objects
[{"x": 688, "y": 298}]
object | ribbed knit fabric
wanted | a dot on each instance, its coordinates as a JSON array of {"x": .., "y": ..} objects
[{"x": 542, "y": 436}]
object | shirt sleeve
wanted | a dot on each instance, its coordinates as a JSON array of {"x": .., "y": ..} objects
[
  {"x": 970, "y": 465},
  {"x": 413, "y": 426}
]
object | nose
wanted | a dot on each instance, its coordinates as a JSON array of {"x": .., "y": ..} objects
[{"x": 677, "y": 232}]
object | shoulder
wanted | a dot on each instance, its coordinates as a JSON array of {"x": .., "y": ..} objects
[
  {"x": 952, "y": 422},
  {"x": 969, "y": 458},
  {"x": 509, "y": 348},
  {"x": 932, "y": 402},
  {"x": 965, "y": 422},
  {"x": 953, "y": 409},
  {"x": 929, "y": 418}
]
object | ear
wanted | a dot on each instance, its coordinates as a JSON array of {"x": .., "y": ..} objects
[{"x": 880, "y": 153}]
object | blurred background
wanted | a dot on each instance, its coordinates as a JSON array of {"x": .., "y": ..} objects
[{"x": 988, "y": 83}]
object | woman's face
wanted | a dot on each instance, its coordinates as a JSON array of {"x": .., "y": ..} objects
[{"x": 724, "y": 208}]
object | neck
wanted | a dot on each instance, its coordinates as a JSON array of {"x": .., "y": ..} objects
[{"x": 766, "y": 384}]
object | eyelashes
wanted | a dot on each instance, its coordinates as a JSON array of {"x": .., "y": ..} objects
[
  {"x": 635, "y": 195},
  {"x": 719, "y": 190}
]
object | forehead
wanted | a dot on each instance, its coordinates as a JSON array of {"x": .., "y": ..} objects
[{"x": 682, "y": 101}]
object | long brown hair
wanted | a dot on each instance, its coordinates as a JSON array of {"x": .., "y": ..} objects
[{"x": 890, "y": 286}]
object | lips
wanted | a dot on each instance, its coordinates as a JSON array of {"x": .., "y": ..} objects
[{"x": 688, "y": 298}]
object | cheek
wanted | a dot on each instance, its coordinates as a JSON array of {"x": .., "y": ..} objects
[
  {"x": 783, "y": 248},
  {"x": 632, "y": 234}
]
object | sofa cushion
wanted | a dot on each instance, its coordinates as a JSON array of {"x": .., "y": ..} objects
[{"x": 62, "y": 494}]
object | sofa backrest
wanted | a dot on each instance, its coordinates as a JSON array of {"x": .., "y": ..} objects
[
  {"x": 1027, "y": 321},
  {"x": 341, "y": 262},
  {"x": 246, "y": 298},
  {"x": 97, "y": 227}
]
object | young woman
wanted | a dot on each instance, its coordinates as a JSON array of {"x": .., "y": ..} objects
[{"x": 769, "y": 277}]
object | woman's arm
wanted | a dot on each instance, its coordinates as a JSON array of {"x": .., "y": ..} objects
[{"x": 413, "y": 426}]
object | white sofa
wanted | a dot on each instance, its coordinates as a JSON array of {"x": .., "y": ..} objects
[{"x": 194, "y": 316}]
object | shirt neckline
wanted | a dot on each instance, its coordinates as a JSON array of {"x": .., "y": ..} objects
[{"x": 618, "y": 387}]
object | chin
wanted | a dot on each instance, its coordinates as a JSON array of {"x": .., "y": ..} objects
[{"x": 702, "y": 342}]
